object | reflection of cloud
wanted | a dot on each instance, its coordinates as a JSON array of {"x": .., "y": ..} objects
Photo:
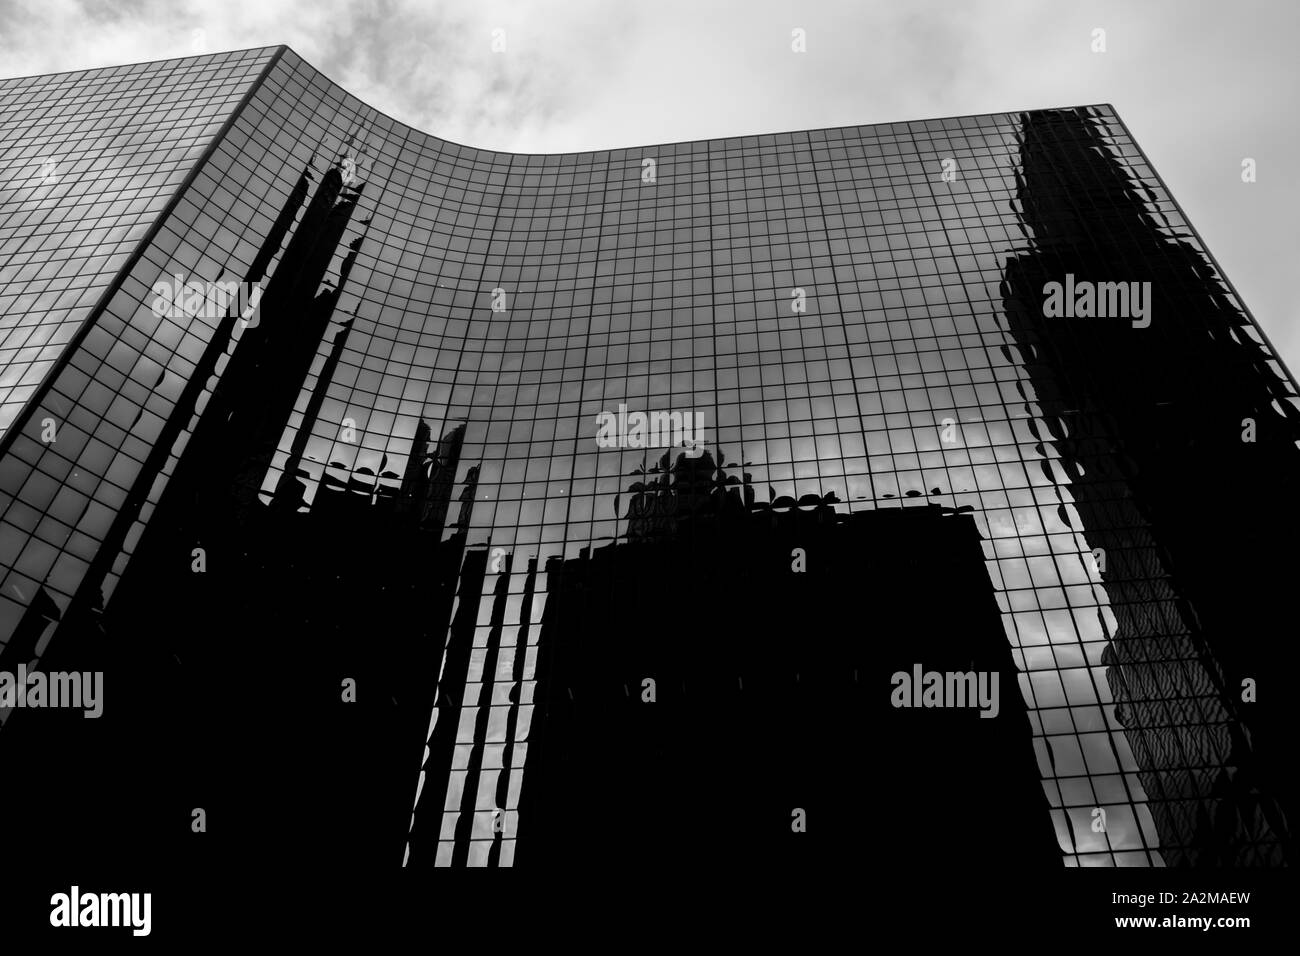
[{"x": 579, "y": 74}]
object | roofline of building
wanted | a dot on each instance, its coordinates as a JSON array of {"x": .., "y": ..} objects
[{"x": 284, "y": 47}]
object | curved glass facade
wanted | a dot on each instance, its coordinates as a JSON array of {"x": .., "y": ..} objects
[{"x": 467, "y": 508}]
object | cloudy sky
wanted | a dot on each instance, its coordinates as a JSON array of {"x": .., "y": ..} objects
[{"x": 1201, "y": 84}]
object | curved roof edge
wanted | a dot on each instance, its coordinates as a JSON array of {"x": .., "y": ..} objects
[
  {"x": 285, "y": 48},
  {"x": 911, "y": 122}
]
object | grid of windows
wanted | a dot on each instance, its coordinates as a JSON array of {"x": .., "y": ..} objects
[
  {"x": 90, "y": 162},
  {"x": 833, "y": 302},
  {"x": 87, "y": 162}
]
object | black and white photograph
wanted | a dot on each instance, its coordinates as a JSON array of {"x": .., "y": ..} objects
[{"x": 862, "y": 510}]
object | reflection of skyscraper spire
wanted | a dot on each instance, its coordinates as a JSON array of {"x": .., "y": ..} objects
[
  {"x": 442, "y": 477},
  {"x": 415, "y": 480},
  {"x": 317, "y": 262},
  {"x": 290, "y": 337},
  {"x": 467, "y": 500},
  {"x": 263, "y": 348},
  {"x": 279, "y": 229},
  {"x": 207, "y": 452},
  {"x": 306, "y": 237},
  {"x": 356, "y": 132},
  {"x": 289, "y": 491},
  {"x": 427, "y": 482}
]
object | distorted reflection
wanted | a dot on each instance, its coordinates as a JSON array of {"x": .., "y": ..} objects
[{"x": 365, "y": 584}]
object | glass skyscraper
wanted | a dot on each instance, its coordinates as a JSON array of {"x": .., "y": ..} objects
[{"x": 436, "y": 506}]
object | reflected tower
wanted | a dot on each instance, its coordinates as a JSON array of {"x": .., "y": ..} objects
[{"x": 1151, "y": 427}]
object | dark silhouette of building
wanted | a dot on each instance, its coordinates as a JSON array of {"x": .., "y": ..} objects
[
  {"x": 334, "y": 609},
  {"x": 1149, "y": 423},
  {"x": 769, "y": 699}
]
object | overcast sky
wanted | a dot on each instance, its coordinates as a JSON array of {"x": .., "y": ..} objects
[{"x": 1202, "y": 85}]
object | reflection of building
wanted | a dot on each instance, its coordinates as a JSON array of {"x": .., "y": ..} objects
[
  {"x": 355, "y": 586},
  {"x": 770, "y": 694},
  {"x": 384, "y": 478},
  {"x": 291, "y": 605},
  {"x": 1148, "y": 423}
]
